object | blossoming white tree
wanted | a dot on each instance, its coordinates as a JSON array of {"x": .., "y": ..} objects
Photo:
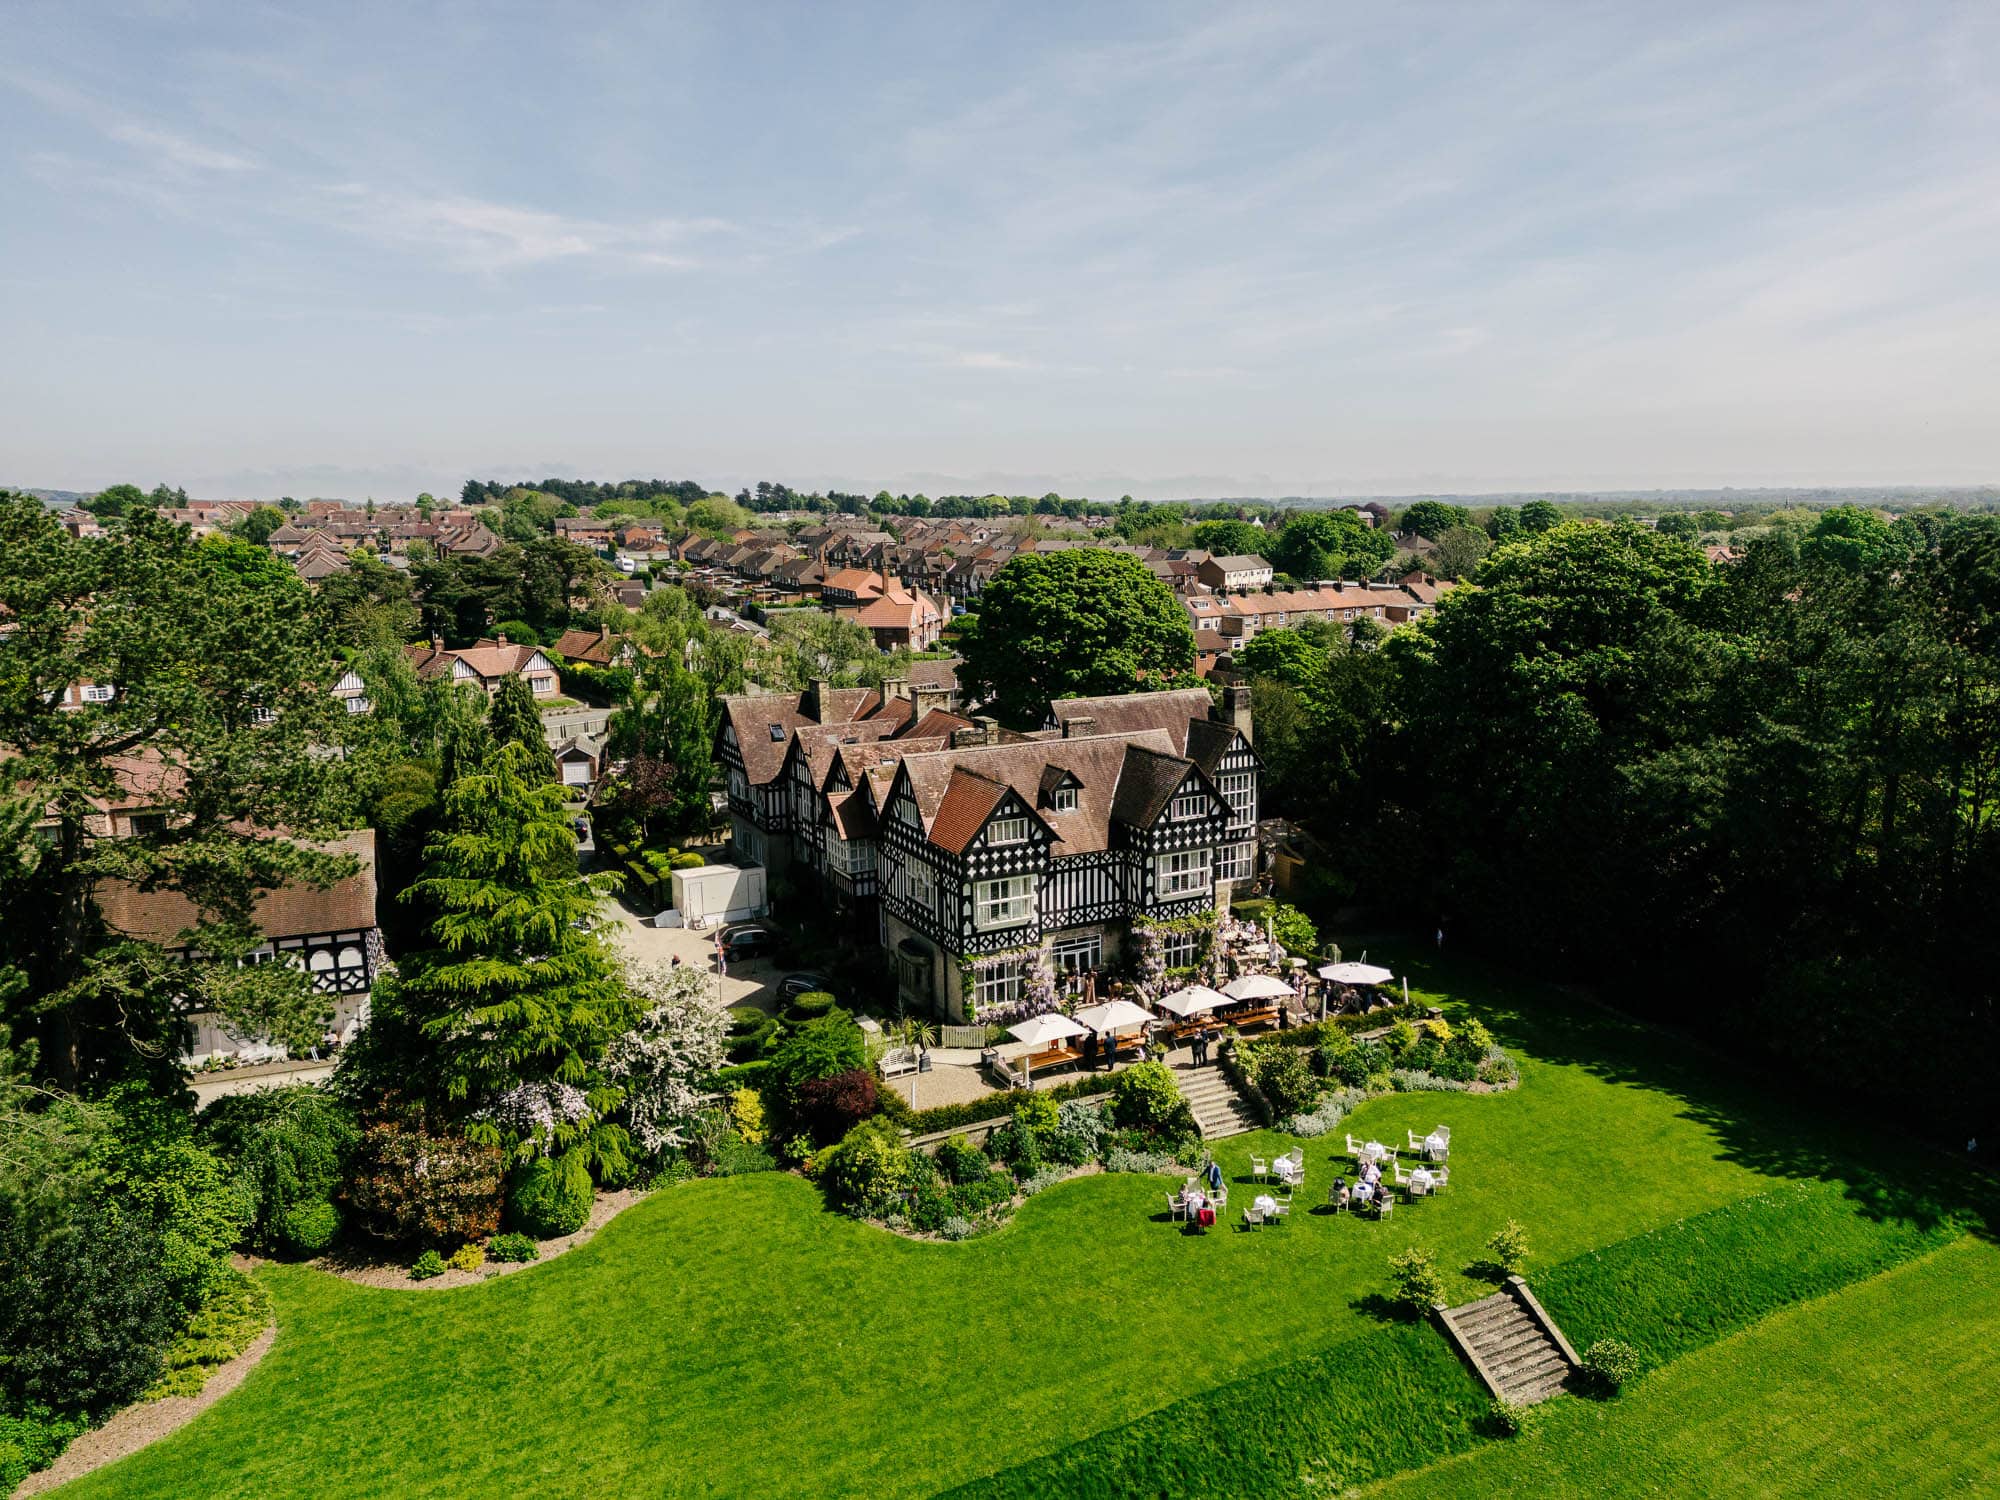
[{"x": 660, "y": 1062}]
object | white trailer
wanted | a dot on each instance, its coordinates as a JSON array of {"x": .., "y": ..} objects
[{"x": 714, "y": 894}]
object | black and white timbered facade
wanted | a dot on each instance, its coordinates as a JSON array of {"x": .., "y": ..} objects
[{"x": 976, "y": 856}]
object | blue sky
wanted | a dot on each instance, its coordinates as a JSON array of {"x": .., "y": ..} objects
[{"x": 1106, "y": 248}]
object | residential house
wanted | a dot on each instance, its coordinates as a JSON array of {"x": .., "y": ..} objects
[
  {"x": 1229, "y": 574},
  {"x": 593, "y": 648},
  {"x": 486, "y": 664},
  {"x": 900, "y": 618},
  {"x": 585, "y": 531},
  {"x": 851, "y": 586}
]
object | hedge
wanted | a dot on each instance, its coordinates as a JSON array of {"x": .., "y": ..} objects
[
  {"x": 1399, "y": 1398},
  {"x": 1314, "y": 1032},
  {"x": 999, "y": 1106},
  {"x": 747, "y": 1075}
]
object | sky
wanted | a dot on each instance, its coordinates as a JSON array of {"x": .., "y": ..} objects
[{"x": 1155, "y": 249}]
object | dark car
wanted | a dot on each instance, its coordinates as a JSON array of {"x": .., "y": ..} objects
[
  {"x": 794, "y": 985},
  {"x": 740, "y": 943}
]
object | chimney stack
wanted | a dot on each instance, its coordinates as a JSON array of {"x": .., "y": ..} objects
[
  {"x": 924, "y": 699},
  {"x": 961, "y": 738},
  {"x": 822, "y": 689},
  {"x": 1235, "y": 710},
  {"x": 989, "y": 731},
  {"x": 894, "y": 688},
  {"x": 1078, "y": 727}
]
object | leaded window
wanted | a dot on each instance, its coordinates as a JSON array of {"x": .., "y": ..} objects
[
  {"x": 1181, "y": 874},
  {"x": 1004, "y": 903}
]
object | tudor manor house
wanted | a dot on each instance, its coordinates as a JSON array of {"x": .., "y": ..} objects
[{"x": 972, "y": 852}]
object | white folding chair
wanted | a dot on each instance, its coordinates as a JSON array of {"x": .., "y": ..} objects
[
  {"x": 1385, "y": 1201},
  {"x": 1353, "y": 1147},
  {"x": 1177, "y": 1206},
  {"x": 1415, "y": 1144},
  {"x": 1221, "y": 1199},
  {"x": 1258, "y": 1168},
  {"x": 1397, "y": 1168},
  {"x": 1282, "y": 1214},
  {"x": 1253, "y": 1218},
  {"x": 1440, "y": 1178}
]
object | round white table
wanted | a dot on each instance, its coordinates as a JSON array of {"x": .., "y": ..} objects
[
  {"x": 1374, "y": 1151},
  {"x": 1436, "y": 1145},
  {"x": 1265, "y": 1203},
  {"x": 1421, "y": 1180}
]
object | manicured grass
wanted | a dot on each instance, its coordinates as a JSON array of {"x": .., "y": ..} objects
[
  {"x": 730, "y": 1337},
  {"x": 1879, "y": 1389},
  {"x": 1398, "y": 1398}
]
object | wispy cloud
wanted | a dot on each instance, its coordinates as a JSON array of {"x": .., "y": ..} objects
[
  {"x": 172, "y": 150},
  {"x": 477, "y": 235}
]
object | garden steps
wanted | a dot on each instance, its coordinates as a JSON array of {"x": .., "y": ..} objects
[
  {"x": 1218, "y": 1109},
  {"x": 1511, "y": 1343}
]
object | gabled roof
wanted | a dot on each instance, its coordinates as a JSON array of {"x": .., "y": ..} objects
[
  {"x": 1096, "y": 761},
  {"x": 968, "y": 801},
  {"x": 1241, "y": 563},
  {"x": 1148, "y": 782}
]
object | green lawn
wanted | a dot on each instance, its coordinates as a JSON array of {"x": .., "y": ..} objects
[
  {"x": 731, "y": 1338},
  {"x": 1884, "y": 1388}
]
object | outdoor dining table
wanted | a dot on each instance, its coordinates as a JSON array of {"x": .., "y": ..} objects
[
  {"x": 1436, "y": 1146},
  {"x": 1264, "y": 1203},
  {"x": 1374, "y": 1151},
  {"x": 1199, "y": 1208}
]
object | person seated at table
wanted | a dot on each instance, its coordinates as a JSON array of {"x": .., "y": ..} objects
[{"x": 1371, "y": 1173}]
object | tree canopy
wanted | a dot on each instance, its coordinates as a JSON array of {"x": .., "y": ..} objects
[{"x": 1077, "y": 623}]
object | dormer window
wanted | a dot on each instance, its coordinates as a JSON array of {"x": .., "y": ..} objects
[
  {"x": 1064, "y": 799},
  {"x": 1007, "y": 831}
]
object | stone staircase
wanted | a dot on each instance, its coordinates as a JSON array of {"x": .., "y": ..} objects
[
  {"x": 1218, "y": 1109},
  {"x": 1512, "y": 1343}
]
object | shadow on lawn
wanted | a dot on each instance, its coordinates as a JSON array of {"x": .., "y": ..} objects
[{"x": 1767, "y": 1123}]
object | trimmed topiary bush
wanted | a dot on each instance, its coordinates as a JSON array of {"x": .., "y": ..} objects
[
  {"x": 309, "y": 1227},
  {"x": 512, "y": 1247},
  {"x": 428, "y": 1265},
  {"x": 551, "y": 1197},
  {"x": 810, "y": 1006}
]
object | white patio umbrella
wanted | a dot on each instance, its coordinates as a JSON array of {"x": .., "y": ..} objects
[
  {"x": 1113, "y": 1015},
  {"x": 1196, "y": 997},
  {"x": 1356, "y": 974},
  {"x": 1050, "y": 1026},
  {"x": 1257, "y": 987}
]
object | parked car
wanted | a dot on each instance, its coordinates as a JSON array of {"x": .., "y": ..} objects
[
  {"x": 794, "y": 985},
  {"x": 750, "y": 941}
]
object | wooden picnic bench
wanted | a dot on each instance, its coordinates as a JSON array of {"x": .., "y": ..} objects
[
  {"x": 1262, "y": 1016},
  {"x": 1053, "y": 1057}
]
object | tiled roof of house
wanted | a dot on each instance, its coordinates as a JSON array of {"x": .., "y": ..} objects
[
  {"x": 1146, "y": 784},
  {"x": 1170, "y": 711},
  {"x": 1241, "y": 563},
  {"x": 289, "y": 911},
  {"x": 942, "y": 673},
  {"x": 1097, "y": 761},
  {"x": 969, "y": 799},
  {"x": 585, "y": 645}
]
